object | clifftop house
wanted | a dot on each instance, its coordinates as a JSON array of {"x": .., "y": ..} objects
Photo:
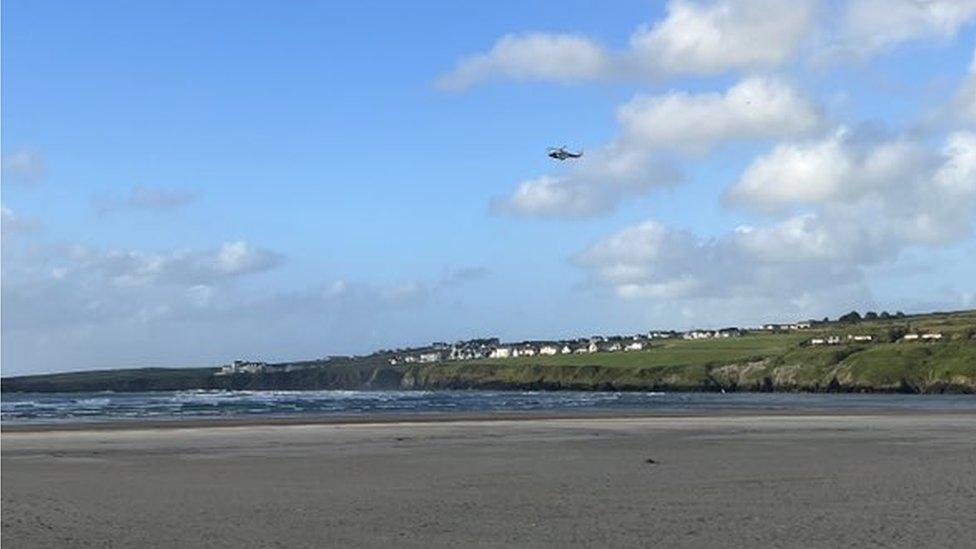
[{"x": 243, "y": 367}]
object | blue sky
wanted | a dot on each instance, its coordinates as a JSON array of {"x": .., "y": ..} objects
[{"x": 186, "y": 184}]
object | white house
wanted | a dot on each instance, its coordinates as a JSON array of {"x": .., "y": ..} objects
[
  {"x": 818, "y": 341},
  {"x": 243, "y": 367},
  {"x": 501, "y": 352},
  {"x": 429, "y": 357},
  {"x": 910, "y": 337},
  {"x": 859, "y": 337},
  {"x": 634, "y": 346},
  {"x": 523, "y": 351},
  {"x": 932, "y": 336},
  {"x": 548, "y": 350}
]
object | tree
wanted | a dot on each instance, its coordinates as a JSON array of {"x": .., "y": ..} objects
[
  {"x": 852, "y": 317},
  {"x": 895, "y": 333},
  {"x": 870, "y": 315}
]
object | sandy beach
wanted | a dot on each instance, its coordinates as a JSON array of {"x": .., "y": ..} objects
[{"x": 739, "y": 481}]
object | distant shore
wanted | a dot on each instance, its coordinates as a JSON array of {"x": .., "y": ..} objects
[
  {"x": 873, "y": 355},
  {"x": 742, "y": 480}
]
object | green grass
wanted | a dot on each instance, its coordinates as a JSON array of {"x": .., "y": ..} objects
[
  {"x": 676, "y": 353},
  {"x": 888, "y": 365}
]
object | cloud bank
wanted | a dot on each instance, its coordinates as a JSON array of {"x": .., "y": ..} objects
[
  {"x": 694, "y": 38},
  {"x": 885, "y": 198}
]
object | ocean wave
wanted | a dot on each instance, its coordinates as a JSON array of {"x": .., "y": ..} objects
[{"x": 53, "y": 407}]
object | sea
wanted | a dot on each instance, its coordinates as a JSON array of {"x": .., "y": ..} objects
[{"x": 45, "y": 408}]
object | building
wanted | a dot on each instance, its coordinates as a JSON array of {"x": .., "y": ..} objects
[
  {"x": 524, "y": 350},
  {"x": 910, "y": 337},
  {"x": 818, "y": 341},
  {"x": 932, "y": 336},
  {"x": 548, "y": 350},
  {"x": 501, "y": 352},
  {"x": 634, "y": 346},
  {"x": 860, "y": 338},
  {"x": 243, "y": 367},
  {"x": 433, "y": 356}
]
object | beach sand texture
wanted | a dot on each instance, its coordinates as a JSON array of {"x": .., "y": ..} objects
[{"x": 785, "y": 481}]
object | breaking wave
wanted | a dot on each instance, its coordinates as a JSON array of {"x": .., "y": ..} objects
[{"x": 71, "y": 407}]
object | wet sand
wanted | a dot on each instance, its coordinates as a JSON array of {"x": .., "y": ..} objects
[{"x": 740, "y": 481}]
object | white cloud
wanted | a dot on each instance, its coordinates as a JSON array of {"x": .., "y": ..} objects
[
  {"x": 24, "y": 167},
  {"x": 794, "y": 174},
  {"x": 14, "y": 223},
  {"x": 595, "y": 185},
  {"x": 649, "y": 261},
  {"x": 147, "y": 198},
  {"x": 872, "y": 25},
  {"x": 693, "y": 38},
  {"x": 709, "y": 38},
  {"x": 840, "y": 169},
  {"x": 131, "y": 268},
  {"x": 698, "y": 37},
  {"x": 756, "y": 107},
  {"x": 532, "y": 56}
]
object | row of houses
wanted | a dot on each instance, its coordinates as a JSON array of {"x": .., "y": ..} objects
[
  {"x": 932, "y": 336},
  {"x": 492, "y": 348},
  {"x": 789, "y": 326},
  {"x": 865, "y": 338},
  {"x": 253, "y": 367},
  {"x": 837, "y": 340}
]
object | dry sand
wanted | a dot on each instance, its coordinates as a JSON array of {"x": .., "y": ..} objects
[{"x": 784, "y": 481}]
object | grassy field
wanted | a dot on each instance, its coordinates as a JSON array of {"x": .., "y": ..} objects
[{"x": 676, "y": 352}]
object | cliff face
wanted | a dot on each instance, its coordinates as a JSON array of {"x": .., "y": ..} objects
[{"x": 764, "y": 375}]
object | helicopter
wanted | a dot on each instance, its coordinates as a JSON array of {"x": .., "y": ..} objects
[{"x": 560, "y": 153}]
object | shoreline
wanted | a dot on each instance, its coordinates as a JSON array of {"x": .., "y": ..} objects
[{"x": 422, "y": 418}]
